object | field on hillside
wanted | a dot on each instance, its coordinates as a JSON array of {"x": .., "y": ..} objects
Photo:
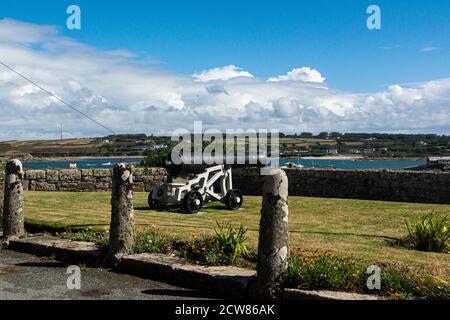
[
  {"x": 68, "y": 146},
  {"x": 85, "y": 146},
  {"x": 307, "y": 142},
  {"x": 362, "y": 229}
]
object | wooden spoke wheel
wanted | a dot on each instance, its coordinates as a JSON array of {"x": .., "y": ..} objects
[
  {"x": 192, "y": 202},
  {"x": 234, "y": 199},
  {"x": 153, "y": 203}
]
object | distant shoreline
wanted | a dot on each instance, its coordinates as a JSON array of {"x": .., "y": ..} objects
[
  {"x": 325, "y": 158},
  {"x": 356, "y": 158},
  {"x": 349, "y": 157},
  {"x": 80, "y": 158}
]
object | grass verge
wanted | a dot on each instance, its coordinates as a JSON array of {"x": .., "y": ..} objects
[{"x": 366, "y": 230}]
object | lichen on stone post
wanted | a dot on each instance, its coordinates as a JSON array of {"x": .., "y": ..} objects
[
  {"x": 121, "y": 232},
  {"x": 273, "y": 247},
  {"x": 13, "y": 215}
]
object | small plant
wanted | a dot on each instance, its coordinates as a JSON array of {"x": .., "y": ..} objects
[
  {"x": 85, "y": 235},
  {"x": 231, "y": 242},
  {"x": 101, "y": 239},
  {"x": 151, "y": 241},
  {"x": 222, "y": 248},
  {"x": 431, "y": 233}
]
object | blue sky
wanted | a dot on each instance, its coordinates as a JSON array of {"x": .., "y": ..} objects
[
  {"x": 267, "y": 37},
  {"x": 153, "y": 66}
]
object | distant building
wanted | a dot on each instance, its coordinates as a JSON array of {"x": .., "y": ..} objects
[
  {"x": 436, "y": 161},
  {"x": 160, "y": 146},
  {"x": 369, "y": 151},
  {"x": 332, "y": 151},
  {"x": 421, "y": 144}
]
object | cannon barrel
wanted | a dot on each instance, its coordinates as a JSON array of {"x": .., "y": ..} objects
[{"x": 192, "y": 165}]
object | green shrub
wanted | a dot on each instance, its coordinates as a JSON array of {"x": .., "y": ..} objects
[
  {"x": 403, "y": 283},
  {"x": 396, "y": 282},
  {"x": 324, "y": 270},
  {"x": 203, "y": 250},
  {"x": 222, "y": 248},
  {"x": 156, "y": 158},
  {"x": 151, "y": 241},
  {"x": 431, "y": 233}
]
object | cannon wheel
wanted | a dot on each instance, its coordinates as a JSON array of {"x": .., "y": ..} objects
[
  {"x": 153, "y": 203},
  {"x": 234, "y": 199},
  {"x": 192, "y": 202}
]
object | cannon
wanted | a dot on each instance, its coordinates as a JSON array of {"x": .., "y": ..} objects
[{"x": 194, "y": 182}]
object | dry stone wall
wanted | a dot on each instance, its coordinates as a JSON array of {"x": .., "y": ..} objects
[
  {"x": 79, "y": 180},
  {"x": 389, "y": 185}
]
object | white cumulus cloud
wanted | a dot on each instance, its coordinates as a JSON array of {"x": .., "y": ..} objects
[
  {"x": 301, "y": 74},
  {"x": 222, "y": 73}
]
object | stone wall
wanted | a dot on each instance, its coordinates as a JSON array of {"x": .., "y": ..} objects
[
  {"x": 405, "y": 186},
  {"x": 388, "y": 185},
  {"x": 79, "y": 180}
]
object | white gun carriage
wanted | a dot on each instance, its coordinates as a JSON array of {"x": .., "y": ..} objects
[{"x": 193, "y": 185}]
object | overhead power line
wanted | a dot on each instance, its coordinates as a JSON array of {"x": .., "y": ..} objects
[{"x": 56, "y": 97}]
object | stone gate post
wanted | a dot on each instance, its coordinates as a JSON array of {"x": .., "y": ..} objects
[
  {"x": 13, "y": 215},
  {"x": 273, "y": 247},
  {"x": 121, "y": 232}
]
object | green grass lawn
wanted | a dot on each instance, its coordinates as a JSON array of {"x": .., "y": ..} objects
[{"x": 357, "y": 228}]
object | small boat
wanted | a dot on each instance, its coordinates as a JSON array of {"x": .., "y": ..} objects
[
  {"x": 314, "y": 165},
  {"x": 106, "y": 164},
  {"x": 291, "y": 165}
]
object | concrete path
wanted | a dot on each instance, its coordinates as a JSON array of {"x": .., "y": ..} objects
[{"x": 24, "y": 276}]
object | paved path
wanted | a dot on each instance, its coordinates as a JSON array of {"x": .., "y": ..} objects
[{"x": 24, "y": 276}]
